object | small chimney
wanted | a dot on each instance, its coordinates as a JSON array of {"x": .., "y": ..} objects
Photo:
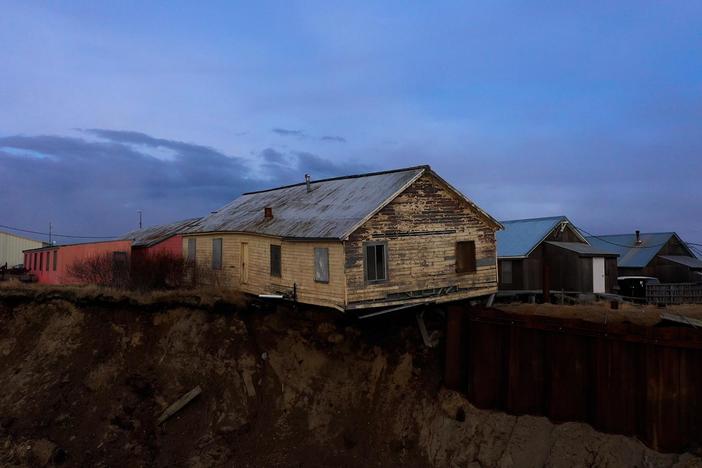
[
  {"x": 638, "y": 237},
  {"x": 268, "y": 212},
  {"x": 308, "y": 182}
]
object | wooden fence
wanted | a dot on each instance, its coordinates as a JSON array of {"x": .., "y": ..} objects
[
  {"x": 675, "y": 293},
  {"x": 618, "y": 377}
]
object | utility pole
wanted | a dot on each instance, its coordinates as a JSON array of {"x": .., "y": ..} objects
[
  {"x": 139, "y": 211},
  {"x": 50, "y": 233}
]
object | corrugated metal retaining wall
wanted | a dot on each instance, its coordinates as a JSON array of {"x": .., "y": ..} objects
[{"x": 618, "y": 377}]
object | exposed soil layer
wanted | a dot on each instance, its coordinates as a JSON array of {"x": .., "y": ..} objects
[{"x": 85, "y": 379}]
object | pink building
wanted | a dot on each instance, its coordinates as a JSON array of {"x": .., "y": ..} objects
[
  {"x": 51, "y": 264},
  {"x": 161, "y": 238}
]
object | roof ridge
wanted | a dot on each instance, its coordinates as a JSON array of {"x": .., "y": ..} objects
[
  {"x": 353, "y": 176},
  {"x": 633, "y": 234},
  {"x": 534, "y": 219}
]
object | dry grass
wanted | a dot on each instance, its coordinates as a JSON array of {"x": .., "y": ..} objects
[
  {"x": 600, "y": 312},
  {"x": 203, "y": 295}
]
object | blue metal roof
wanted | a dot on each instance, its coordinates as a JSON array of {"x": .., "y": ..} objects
[
  {"x": 582, "y": 249},
  {"x": 630, "y": 254},
  {"x": 521, "y": 236}
]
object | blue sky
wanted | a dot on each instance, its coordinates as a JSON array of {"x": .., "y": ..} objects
[{"x": 588, "y": 109}]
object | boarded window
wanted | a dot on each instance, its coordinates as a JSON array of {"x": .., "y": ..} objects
[
  {"x": 217, "y": 254},
  {"x": 275, "y": 260},
  {"x": 55, "y": 259},
  {"x": 321, "y": 264},
  {"x": 192, "y": 249},
  {"x": 465, "y": 257},
  {"x": 506, "y": 271},
  {"x": 376, "y": 262}
]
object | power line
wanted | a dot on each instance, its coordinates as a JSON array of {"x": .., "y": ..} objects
[
  {"x": 619, "y": 245},
  {"x": 53, "y": 234},
  {"x": 689, "y": 245}
]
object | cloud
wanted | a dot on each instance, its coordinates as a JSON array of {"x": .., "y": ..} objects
[
  {"x": 95, "y": 186},
  {"x": 337, "y": 139},
  {"x": 288, "y": 132},
  {"x": 321, "y": 168}
]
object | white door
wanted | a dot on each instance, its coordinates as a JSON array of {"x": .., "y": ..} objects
[{"x": 598, "y": 274}]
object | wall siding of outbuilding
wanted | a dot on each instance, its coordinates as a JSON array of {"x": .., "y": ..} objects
[
  {"x": 68, "y": 255},
  {"x": 297, "y": 262},
  {"x": 567, "y": 270},
  {"x": 421, "y": 227},
  {"x": 11, "y": 248}
]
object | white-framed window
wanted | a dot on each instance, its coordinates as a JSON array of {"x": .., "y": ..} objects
[{"x": 376, "y": 261}]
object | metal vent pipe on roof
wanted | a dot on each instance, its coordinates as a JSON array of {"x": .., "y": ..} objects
[
  {"x": 308, "y": 182},
  {"x": 638, "y": 237}
]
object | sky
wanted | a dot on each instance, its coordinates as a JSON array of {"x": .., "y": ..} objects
[{"x": 588, "y": 109}]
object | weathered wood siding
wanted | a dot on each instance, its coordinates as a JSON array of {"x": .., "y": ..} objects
[
  {"x": 565, "y": 273},
  {"x": 421, "y": 227},
  {"x": 297, "y": 266}
]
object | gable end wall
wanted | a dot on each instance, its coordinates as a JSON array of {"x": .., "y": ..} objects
[{"x": 421, "y": 227}]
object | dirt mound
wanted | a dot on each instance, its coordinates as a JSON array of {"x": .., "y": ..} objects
[{"x": 84, "y": 386}]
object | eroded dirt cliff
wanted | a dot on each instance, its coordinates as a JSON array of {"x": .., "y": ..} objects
[{"x": 84, "y": 381}]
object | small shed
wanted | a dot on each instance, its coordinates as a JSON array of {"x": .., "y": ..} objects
[
  {"x": 661, "y": 255},
  {"x": 537, "y": 252},
  {"x": 381, "y": 239}
]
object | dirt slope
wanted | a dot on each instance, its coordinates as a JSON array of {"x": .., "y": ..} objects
[{"x": 84, "y": 382}]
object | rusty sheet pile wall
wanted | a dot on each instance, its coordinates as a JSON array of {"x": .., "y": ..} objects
[{"x": 618, "y": 377}]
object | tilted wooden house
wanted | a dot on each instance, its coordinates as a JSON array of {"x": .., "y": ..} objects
[
  {"x": 380, "y": 239},
  {"x": 532, "y": 252}
]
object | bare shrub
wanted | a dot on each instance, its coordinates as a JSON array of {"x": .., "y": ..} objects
[
  {"x": 106, "y": 269},
  {"x": 144, "y": 272},
  {"x": 159, "y": 270}
]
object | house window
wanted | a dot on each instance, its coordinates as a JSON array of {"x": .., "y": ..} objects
[
  {"x": 34, "y": 266},
  {"x": 275, "y": 260},
  {"x": 55, "y": 259},
  {"x": 376, "y": 267},
  {"x": 48, "y": 260},
  {"x": 41, "y": 260},
  {"x": 465, "y": 257},
  {"x": 217, "y": 254},
  {"x": 192, "y": 249},
  {"x": 321, "y": 264},
  {"x": 506, "y": 271}
]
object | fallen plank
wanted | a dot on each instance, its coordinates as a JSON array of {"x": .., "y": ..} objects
[{"x": 178, "y": 405}]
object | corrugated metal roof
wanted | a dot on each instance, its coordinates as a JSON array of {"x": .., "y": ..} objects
[
  {"x": 690, "y": 262},
  {"x": 631, "y": 255},
  {"x": 153, "y": 235},
  {"x": 582, "y": 249},
  {"x": 521, "y": 236},
  {"x": 332, "y": 209}
]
